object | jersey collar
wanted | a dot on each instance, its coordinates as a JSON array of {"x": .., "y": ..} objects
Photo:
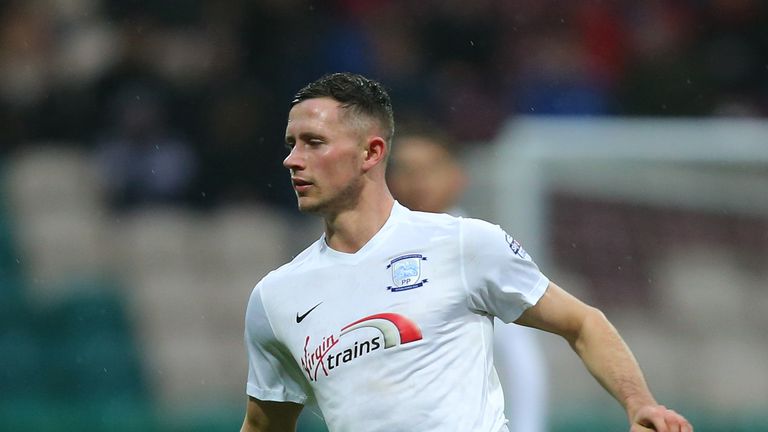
[{"x": 397, "y": 213}]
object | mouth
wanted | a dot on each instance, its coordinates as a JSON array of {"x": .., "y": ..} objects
[{"x": 300, "y": 185}]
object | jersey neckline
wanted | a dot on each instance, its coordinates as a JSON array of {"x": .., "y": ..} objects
[{"x": 397, "y": 213}]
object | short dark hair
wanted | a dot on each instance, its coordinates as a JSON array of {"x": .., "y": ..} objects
[{"x": 356, "y": 93}]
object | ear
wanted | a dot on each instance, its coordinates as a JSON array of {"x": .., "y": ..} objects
[
  {"x": 460, "y": 174},
  {"x": 374, "y": 152},
  {"x": 459, "y": 181}
]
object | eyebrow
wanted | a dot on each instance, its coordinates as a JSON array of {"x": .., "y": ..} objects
[
  {"x": 308, "y": 136},
  {"x": 304, "y": 136}
]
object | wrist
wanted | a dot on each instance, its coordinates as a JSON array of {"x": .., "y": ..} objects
[{"x": 634, "y": 404}]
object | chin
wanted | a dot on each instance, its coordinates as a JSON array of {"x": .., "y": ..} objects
[{"x": 308, "y": 206}]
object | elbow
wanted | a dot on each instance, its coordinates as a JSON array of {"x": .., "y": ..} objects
[
  {"x": 591, "y": 321},
  {"x": 594, "y": 314},
  {"x": 250, "y": 426}
]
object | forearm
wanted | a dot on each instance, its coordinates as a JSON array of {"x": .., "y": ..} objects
[
  {"x": 263, "y": 425},
  {"x": 611, "y": 362},
  {"x": 267, "y": 416},
  {"x": 605, "y": 355}
]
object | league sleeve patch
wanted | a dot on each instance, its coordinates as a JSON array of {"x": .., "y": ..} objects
[{"x": 515, "y": 246}]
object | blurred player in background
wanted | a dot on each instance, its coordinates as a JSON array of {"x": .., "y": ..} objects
[
  {"x": 425, "y": 174},
  {"x": 387, "y": 319}
]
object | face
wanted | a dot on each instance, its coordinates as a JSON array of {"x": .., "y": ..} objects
[
  {"x": 326, "y": 156},
  {"x": 424, "y": 176}
]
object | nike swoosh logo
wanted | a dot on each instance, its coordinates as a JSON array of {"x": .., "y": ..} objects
[{"x": 300, "y": 318}]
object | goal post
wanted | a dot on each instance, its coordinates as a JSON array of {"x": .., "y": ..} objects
[
  {"x": 636, "y": 198},
  {"x": 718, "y": 165}
]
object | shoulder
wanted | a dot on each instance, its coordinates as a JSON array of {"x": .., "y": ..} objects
[
  {"x": 447, "y": 221},
  {"x": 480, "y": 237},
  {"x": 469, "y": 230},
  {"x": 473, "y": 224},
  {"x": 271, "y": 286},
  {"x": 481, "y": 230},
  {"x": 431, "y": 220},
  {"x": 478, "y": 234},
  {"x": 298, "y": 263}
]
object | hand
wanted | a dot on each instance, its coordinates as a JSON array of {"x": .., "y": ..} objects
[{"x": 660, "y": 419}]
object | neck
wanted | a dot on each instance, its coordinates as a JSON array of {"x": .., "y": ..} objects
[{"x": 349, "y": 230}]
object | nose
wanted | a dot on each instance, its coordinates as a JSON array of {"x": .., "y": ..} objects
[{"x": 294, "y": 161}]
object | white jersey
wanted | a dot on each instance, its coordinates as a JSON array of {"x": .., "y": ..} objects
[{"x": 397, "y": 336}]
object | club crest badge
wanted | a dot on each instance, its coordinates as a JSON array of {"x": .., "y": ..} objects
[{"x": 406, "y": 272}]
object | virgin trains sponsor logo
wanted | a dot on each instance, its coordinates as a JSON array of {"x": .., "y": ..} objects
[{"x": 325, "y": 356}]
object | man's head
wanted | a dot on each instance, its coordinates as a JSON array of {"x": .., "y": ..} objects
[
  {"x": 338, "y": 133},
  {"x": 425, "y": 173},
  {"x": 363, "y": 100}
]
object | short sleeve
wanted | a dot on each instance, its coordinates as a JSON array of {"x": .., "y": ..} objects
[
  {"x": 272, "y": 372},
  {"x": 500, "y": 277}
]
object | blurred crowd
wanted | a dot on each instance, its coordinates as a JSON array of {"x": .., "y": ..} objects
[{"x": 184, "y": 101}]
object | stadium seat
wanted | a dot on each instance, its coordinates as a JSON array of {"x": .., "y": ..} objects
[
  {"x": 155, "y": 240},
  {"x": 695, "y": 283},
  {"x": 62, "y": 245},
  {"x": 45, "y": 178},
  {"x": 191, "y": 276},
  {"x": 21, "y": 357},
  {"x": 91, "y": 347},
  {"x": 10, "y": 262},
  {"x": 253, "y": 238},
  {"x": 731, "y": 365}
]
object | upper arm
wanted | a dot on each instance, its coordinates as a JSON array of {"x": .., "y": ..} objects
[
  {"x": 269, "y": 416},
  {"x": 557, "y": 312}
]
